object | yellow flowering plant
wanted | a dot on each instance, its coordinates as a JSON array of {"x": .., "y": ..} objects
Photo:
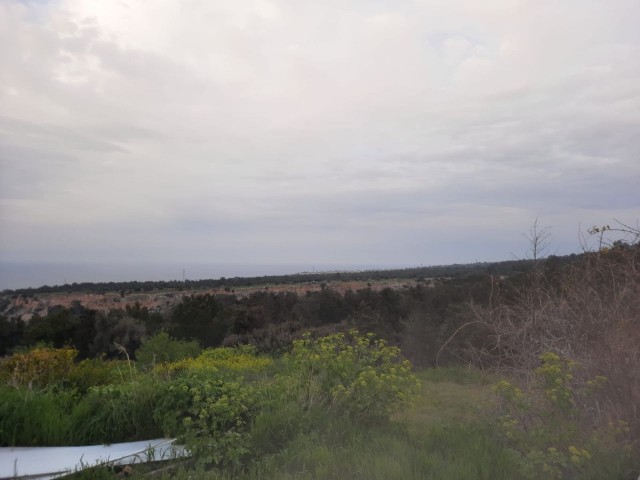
[
  {"x": 242, "y": 359},
  {"x": 38, "y": 368},
  {"x": 355, "y": 374}
]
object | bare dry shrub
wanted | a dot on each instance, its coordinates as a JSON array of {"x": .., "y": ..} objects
[{"x": 589, "y": 313}]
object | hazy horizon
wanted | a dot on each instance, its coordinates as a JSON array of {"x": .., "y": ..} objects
[{"x": 18, "y": 275}]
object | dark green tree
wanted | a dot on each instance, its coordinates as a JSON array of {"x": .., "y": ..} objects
[
  {"x": 11, "y": 332},
  {"x": 56, "y": 329},
  {"x": 199, "y": 317}
]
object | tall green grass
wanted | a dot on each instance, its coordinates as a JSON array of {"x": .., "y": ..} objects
[
  {"x": 108, "y": 414},
  {"x": 35, "y": 418},
  {"x": 348, "y": 451},
  {"x": 117, "y": 413},
  {"x": 389, "y": 453}
]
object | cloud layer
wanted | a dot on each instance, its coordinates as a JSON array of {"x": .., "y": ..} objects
[{"x": 400, "y": 132}]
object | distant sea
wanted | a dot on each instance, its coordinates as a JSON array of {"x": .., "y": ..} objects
[{"x": 14, "y": 275}]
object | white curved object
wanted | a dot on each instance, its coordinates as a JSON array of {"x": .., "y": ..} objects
[{"x": 51, "y": 462}]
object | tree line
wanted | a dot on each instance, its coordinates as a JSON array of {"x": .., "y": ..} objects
[{"x": 507, "y": 268}]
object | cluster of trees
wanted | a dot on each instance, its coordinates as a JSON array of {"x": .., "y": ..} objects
[
  {"x": 92, "y": 333},
  {"x": 269, "y": 320},
  {"x": 420, "y": 319}
]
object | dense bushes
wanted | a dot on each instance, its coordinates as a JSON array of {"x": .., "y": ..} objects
[
  {"x": 161, "y": 348},
  {"x": 49, "y": 368},
  {"x": 38, "y": 368},
  {"x": 223, "y": 403},
  {"x": 428, "y": 312},
  {"x": 330, "y": 386},
  {"x": 236, "y": 410},
  {"x": 212, "y": 416},
  {"x": 354, "y": 374}
]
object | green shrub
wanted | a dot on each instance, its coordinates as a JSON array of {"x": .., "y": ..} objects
[
  {"x": 543, "y": 426},
  {"x": 38, "y": 368},
  {"x": 350, "y": 374},
  {"x": 211, "y": 415},
  {"x": 93, "y": 372},
  {"x": 162, "y": 348}
]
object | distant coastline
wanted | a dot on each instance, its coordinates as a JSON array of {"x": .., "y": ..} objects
[{"x": 20, "y": 275}]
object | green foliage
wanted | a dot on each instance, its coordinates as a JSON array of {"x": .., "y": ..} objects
[
  {"x": 29, "y": 417},
  {"x": 117, "y": 413},
  {"x": 354, "y": 374},
  {"x": 11, "y": 331},
  {"x": 332, "y": 411},
  {"x": 238, "y": 359},
  {"x": 74, "y": 326},
  {"x": 163, "y": 348},
  {"x": 344, "y": 449},
  {"x": 301, "y": 424},
  {"x": 555, "y": 376},
  {"x": 117, "y": 328},
  {"x": 218, "y": 361},
  {"x": 199, "y": 317},
  {"x": 56, "y": 329},
  {"x": 278, "y": 421},
  {"x": 543, "y": 426},
  {"x": 92, "y": 372},
  {"x": 38, "y": 368},
  {"x": 510, "y": 395},
  {"x": 211, "y": 415},
  {"x": 46, "y": 368}
]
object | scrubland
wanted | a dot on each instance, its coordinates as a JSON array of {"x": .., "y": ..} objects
[{"x": 539, "y": 380}]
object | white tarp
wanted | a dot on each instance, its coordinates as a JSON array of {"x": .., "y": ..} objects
[{"x": 51, "y": 462}]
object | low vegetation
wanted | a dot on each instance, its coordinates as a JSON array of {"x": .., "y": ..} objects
[
  {"x": 344, "y": 405},
  {"x": 537, "y": 378}
]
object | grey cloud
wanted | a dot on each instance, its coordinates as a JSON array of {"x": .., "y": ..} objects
[
  {"x": 29, "y": 172},
  {"x": 41, "y": 132},
  {"x": 278, "y": 130}
]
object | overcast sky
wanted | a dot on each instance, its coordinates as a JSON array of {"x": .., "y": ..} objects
[{"x": 314, "y": 132}]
